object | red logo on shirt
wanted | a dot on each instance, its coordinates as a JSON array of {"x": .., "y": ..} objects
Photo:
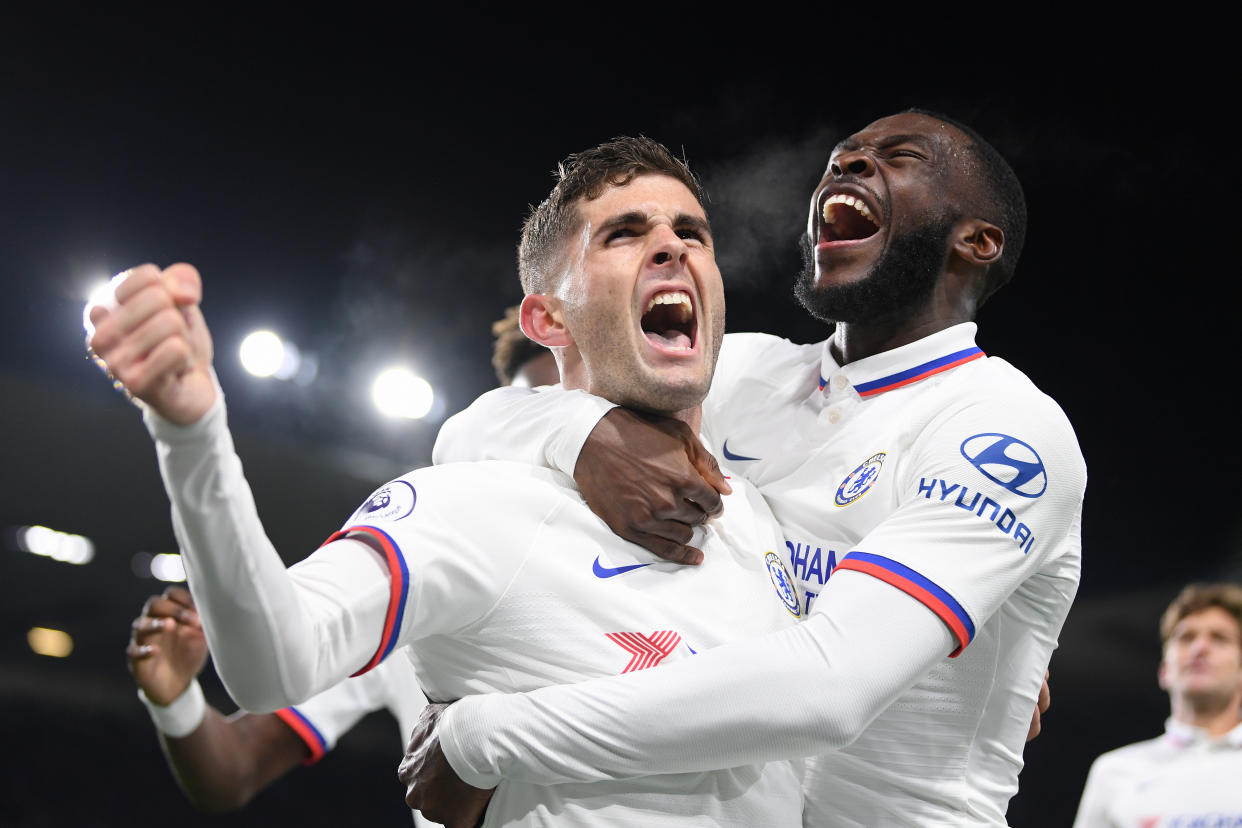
[{"x": 647, "y": 650}]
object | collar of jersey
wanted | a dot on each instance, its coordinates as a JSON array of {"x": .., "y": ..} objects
[
  {"x": 1185, "y": 735},
  {"x": 934, "y": 354}
]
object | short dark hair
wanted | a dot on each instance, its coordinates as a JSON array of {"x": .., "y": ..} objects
[
  {"x": 1003, "y": 201},
  {"x": 512, "y": 348},
  {"x": 586, "y": 175},
  {"x": 1198, "y": 597}
]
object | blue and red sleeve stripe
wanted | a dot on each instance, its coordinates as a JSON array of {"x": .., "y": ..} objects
[
  {"x": 399, "y": 580},
  {"x": 921, "y": 589},
  {"x": 308, "y": 733}
]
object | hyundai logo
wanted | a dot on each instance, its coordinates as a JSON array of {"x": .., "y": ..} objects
[{"x": 1008, "y": 462}]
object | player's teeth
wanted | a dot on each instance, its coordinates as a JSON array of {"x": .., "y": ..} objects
[
  {"x": 849, "y": 201},
  {"x": 675, "y": 297}
]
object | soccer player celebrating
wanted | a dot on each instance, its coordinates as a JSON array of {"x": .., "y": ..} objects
[
  {"x": 937, "y": 486},
  {"x": 222, "y": 762},
  {"x": 621, "y": 282}
]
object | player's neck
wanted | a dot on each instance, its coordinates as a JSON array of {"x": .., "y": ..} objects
[
  {"x": 573, "y": 378},
  {"x": 854, "y": 341},
  {"x": 692, "y": 417},
  {"x": 1217, "y": 721}
]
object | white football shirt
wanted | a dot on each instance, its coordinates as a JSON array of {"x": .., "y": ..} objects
[
  {"x": 498, "y": 578},
  {"x": 1182, "y": 779},
  {"x": 503, "y": 581},
  {"x": 948, "y": 475},
  {"x": 929, "y": 468}
]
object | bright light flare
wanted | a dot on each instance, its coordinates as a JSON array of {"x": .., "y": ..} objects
[
  {"x": 399, "y": 392},
  {"x": 265, "y": 354},
  {"x": 46, "y": 642},
  {"x": 100, "y": 293},
  {"x": 59, "y": 546},
  {"x": 167, "y": 566}
]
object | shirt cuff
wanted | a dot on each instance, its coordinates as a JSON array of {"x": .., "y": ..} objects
[
  {"x": 581, "y": 418},
  {"x": 168, "y": 432},
  {"x": 458, "y": 730}
]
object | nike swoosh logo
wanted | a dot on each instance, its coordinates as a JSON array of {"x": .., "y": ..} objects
[
  {"x": 731, "y": 456},
  {"x": 602, "y": 571}
]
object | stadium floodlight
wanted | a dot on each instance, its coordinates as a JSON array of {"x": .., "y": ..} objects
[
  {"x": 59, "y": 546},
  {"x": 265, "y": 354},
  {"x": 167, "y": 566},
  {"x": 399, "y": 392},
  {"x": 48, "y": 642}
]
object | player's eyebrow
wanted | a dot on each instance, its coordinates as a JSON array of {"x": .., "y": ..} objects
[
  {"x": 633, "y": 217},
  {"x": 851, "y": 143},
  {"x": 622, "y": 220},
  {"x": 694, "y": 222}
]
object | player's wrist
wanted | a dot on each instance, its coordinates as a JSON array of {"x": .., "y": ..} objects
[
  {"x": 196, "y": 422},
  {"x": 182, "y": 715}
]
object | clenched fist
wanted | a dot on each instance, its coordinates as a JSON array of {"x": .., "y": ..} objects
[{"x": 151, "y": 337}]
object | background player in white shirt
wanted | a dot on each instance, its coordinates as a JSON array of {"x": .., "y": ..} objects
[
  {"x": 537, "y": 590},
  {"x": 1191, "y": 775},
  {"x": 942, "y": 488}
]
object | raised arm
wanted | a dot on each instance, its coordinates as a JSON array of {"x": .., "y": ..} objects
[{"x": 278, "y": 636}]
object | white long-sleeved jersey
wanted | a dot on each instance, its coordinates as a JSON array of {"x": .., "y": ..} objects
[
  {"x": 929, "y": 476},
  {"x": 493, "y": 577}
]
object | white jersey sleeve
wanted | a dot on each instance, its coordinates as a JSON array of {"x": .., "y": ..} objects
[
  {"x": 794, "y": 693},
  {"x": 451, "y": 538},
  {"x": 992, "y": 505},
  {"x": 323, "y": 719},
  {"x": 545, "y": 426},
  {"x": 751, "y": 371},
  {"x": 277, "y": 636}
]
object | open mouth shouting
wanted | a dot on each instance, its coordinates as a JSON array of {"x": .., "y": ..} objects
[
  {"x": 846, "y": 218},
  {"x": 668, "y": 323}
]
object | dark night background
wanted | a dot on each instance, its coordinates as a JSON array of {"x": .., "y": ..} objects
[{"x": 356, "y": 182}]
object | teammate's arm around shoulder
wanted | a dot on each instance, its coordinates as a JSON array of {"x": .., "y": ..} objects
[{"x": 647, "y": 477}]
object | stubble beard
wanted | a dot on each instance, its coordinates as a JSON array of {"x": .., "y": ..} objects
[
  {"x": 899, "y": 283},
  {"x": 629, "y": 382}
]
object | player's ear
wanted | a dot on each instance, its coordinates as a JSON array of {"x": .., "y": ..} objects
[
  {"x": 1162, "y": 676},
  {"x": 542, "y": 319},
  {"x": 978, "y": 242}
]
